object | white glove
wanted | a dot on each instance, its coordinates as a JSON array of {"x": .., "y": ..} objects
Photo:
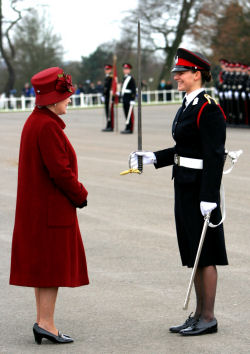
[
  {"x": 243, "y": 95},
  {"x": 102, "y": 99},
  {"x": 148, "y": 158},
  {"x": 117, "y": 93},
  {"x": 236, "y": 94},
  {"x": 132, "y": 103},
  {"x": 207, "y": 207}
]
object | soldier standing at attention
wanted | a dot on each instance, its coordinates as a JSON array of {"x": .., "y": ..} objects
[
  {"x": 199, "y": 131},
  {"x": 128, "y": 94},
  {"x": 107, "y": 98},
  {"x": 247, "y": 90}
]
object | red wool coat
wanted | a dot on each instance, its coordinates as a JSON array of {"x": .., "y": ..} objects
[{"x": 47, "y": 248}]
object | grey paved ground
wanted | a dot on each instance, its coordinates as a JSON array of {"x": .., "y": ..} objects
[{"x": 137, "y": 283}]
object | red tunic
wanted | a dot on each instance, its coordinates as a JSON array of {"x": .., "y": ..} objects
[{"x": 47, "y": 248}]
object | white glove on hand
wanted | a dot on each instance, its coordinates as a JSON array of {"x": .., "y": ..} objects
[
  {"x": 207, "y": 207},
  {"x": 148, "y": 158},
  {"x": 132, "y": 103},
  {"x": 102, "y": 99},
  {"x": 243, "y": 95}
]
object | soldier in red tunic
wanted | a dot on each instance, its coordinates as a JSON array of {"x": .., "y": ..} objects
[{"x": 47, "y": 248}]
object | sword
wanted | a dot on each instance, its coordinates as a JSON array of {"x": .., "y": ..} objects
[
  {"x": 197, "y": 258},
  {"x": 140, "y": 158}
]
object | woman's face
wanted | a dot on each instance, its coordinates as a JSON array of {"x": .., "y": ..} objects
[
  {"x": 61, "y": 107},
  {"x": 188, "y": 81}
]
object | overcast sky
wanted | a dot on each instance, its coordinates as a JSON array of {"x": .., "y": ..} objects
[{"x": 84, "y": 24}]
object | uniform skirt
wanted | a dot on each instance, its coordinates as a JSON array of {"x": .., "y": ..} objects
[{"x": 189, "y": 224}]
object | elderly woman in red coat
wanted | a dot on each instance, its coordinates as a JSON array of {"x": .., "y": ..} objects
[{"x": 47, "y": 248}]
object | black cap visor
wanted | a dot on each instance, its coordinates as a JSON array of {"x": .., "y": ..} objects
[{"x": 184, "y": 68}]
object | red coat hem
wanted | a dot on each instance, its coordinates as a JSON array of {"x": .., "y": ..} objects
[{"x": 49, "y": 285}]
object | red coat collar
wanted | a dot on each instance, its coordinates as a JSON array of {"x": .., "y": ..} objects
[{"x": 54, "y": 116}]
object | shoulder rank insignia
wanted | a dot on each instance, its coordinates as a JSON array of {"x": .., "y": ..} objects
[{"x": 209, "y": 98}]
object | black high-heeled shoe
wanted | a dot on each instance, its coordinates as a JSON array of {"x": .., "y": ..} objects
[{"x": 40, "y": 333}]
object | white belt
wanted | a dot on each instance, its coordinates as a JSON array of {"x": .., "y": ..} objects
[
  {"x": 127, "y": 91},
  {"x": 188, "y": 162}
]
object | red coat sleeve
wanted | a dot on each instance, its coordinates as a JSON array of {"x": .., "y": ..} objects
[{"x": 56, "y": 158}]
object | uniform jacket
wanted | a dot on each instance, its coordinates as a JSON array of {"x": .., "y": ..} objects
[
  {"x": 130, "y": 86},
  {"x": 202, "y": 137},
  {"x": 205, "y": 141},
  {"x": 107, "y": 86},
  {"x": 47, "y": 248}
]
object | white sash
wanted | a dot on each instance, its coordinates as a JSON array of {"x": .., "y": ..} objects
[{"x": 125, "y": 84}]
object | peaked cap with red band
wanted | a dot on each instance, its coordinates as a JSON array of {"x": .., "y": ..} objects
[
  {"x": 127, "y": 66},
  {"x": 52, "y": 85},
  {"x": 186, "y": 60},
  {"x": 108, "y": 66}
]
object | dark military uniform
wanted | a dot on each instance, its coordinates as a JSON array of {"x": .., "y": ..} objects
[
  {"x": 247, "y": 92},
  {"x": 128, "y": 94},
  {"x": 106, "y": 93},
  {"x": 199, "y": 132}
]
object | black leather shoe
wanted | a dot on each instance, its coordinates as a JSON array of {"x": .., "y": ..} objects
[
  {"x": 126, "y": 131},
  {"x": 189, "y": 322},
  {"x": 107, "y": 130},
  {"x": 200, "y": 327},
  {"x": 40, "y": 333}
]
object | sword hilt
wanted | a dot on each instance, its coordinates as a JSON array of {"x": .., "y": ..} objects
[
  {"x": 140, "y": 163},
  {"x": 131, "y": 170}
]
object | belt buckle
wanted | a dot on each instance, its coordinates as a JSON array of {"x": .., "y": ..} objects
[{"x": 177, "y": 159}]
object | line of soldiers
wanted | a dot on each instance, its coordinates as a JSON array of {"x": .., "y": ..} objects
[
  {"x": 127, "y": 95},
  {"x": 233, "y": 88}
]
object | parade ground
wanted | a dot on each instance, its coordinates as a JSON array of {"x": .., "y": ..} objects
[{"x": 137, "y": 284}]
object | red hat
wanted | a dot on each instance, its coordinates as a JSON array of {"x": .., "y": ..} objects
[
  {"x": 108, "y": 66},
  {"x": 127, "y": 66},
  {"x": 186, "y": 60},
  {"x": 52, "y": 85}
]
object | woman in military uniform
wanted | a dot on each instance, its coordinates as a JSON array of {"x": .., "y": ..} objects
[{"x": 199, "y": 131}]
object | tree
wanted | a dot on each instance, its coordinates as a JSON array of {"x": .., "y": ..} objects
[
  {"x": 91, "y": 67},
  {"x": 36, "y": 46},
  {"x": 224, "y": 32},
  {"x": 231, "y": 39},
  {"x": 164, "y": 24},
  {"x": 7, "y": 50},
  {"x": 168, "y": 24}
]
